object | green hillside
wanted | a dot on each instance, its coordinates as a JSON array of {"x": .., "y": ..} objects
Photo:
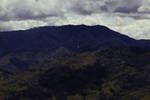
[{"x": 108, "y": 74}]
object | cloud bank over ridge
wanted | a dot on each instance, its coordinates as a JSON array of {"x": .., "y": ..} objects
[{"x": 131, "y": 17}]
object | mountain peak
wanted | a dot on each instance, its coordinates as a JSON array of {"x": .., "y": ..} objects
[
  {"x": 72, "y": 37},
  {"x": 57, "y": 41}
]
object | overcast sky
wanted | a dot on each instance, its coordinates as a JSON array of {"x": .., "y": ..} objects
[{"x": 131, "y": 17}]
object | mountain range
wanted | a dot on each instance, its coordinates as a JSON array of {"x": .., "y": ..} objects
[
  {"x": 22, "y": 48},
  {"x": 73, "y": 62},
  {"x": 74, "y": 38}
]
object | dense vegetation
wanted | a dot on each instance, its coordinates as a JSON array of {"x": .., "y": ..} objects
[
  {"x": 106, "y": 74},
  {"x": 73, "y": 63}
]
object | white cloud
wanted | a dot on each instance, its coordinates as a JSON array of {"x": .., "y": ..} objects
[
  {"x": 131, "y": 17},
  {"x": 21, "y": 25},
  {"x": 29, "y": 9}
]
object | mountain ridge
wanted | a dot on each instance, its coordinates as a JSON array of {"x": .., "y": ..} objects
[
  {"x": 58, "y": 36},
  {"x": 73, "y": 63},
  {"x": 23, "y": 48}
]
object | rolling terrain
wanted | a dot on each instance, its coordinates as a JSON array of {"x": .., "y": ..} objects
[{"x": 73, "y": 63}]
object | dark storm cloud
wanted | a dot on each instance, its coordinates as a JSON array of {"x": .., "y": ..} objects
[
  {"x": 122, "y": 6},
  {"x": 86, "y": 7},
  {"x": 126, "y": 9}
]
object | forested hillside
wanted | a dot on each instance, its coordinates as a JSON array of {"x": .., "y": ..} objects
[{"x": 105, "y": 74}]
